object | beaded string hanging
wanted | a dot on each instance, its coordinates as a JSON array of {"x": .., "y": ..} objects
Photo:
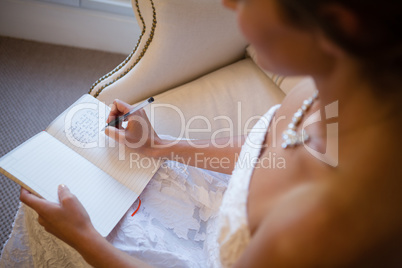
[{"x": 290, "y": 136}]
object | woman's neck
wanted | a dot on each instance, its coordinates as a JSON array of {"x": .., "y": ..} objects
[{"x": 358, "y": 107}]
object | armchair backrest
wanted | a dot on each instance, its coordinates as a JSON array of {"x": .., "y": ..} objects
[{"x": 181, "y": 40}]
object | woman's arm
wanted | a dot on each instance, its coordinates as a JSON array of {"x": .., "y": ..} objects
[
  {"x": 332, "y": 222},
  {"x": 217, "y": 155},
  {"x": 70, "y": 222},
  {"x": 98, "y": 252}
]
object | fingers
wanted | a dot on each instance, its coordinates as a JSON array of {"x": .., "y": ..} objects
[
  {"x": 64, "y": 193},
  {"x": 122, "y": 106},
  {"x": 115, "y": 133},
  {"x": 36, "y": 203},
  {"x": 67, "y": 199},
  {"x": 118, "y": 109},
  {"x": 138, "y": 123},
  {"x": 138, "y": 119}
]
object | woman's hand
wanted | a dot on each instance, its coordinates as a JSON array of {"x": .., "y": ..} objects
[
  {"x": 138, "y": 134},
  {"x": 68, "y": 220}
]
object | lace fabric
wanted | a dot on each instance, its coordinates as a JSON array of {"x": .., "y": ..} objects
[
  {"x": 169, "y": 229},
  {"x": 31, "y": 246},
  {"x": 233, "y": 231},
  {"x": 181, "y": 222}
]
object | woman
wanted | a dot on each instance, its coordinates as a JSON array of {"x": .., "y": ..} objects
[{"x": 309, "y": 214}]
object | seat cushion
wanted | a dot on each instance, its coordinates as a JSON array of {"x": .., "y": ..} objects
[{"x": 227, "y": 102}]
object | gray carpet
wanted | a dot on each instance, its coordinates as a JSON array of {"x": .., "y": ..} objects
[{"x": 37, "y": 82}]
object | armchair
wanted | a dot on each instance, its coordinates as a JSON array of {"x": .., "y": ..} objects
[{"x": 193, "y": 59}]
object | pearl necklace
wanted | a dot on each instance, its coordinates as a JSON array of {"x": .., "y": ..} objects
[{"x": 290, "y": 137}]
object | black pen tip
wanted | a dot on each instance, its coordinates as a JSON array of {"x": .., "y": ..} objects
[{"x": 151, "y": 99}]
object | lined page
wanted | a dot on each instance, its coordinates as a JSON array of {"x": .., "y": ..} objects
[
  {"x": 42, "y": 163},
  {"x": 80, "y": 128}
]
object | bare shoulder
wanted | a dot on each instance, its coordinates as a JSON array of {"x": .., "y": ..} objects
[
  {"x": 339, "y": 217},
  {"x": 303, "y": 90},
  {"x": 287, "y": 236},
  {"x": 316, "y": 225}
]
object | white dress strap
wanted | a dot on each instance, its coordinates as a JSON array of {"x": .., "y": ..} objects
[{"x": 234, "y": 234}]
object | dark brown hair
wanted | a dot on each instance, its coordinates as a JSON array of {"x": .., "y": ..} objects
[{"x": 378, "y": 42}]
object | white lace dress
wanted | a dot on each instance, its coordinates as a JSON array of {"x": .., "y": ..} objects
[{"x": 182, "y": 220}]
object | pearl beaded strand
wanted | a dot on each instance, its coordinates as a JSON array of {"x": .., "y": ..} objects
[{"x": 290, "y": 136}]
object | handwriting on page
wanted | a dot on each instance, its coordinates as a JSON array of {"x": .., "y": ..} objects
[
  {"x": 83, "y": 125},
  {"x": 82, "y": 132}
]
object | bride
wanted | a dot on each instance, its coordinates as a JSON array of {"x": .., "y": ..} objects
[{"x": 309, "y": 214}]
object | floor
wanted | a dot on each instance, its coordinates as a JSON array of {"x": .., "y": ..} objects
[{"x": 37, "y": 82}]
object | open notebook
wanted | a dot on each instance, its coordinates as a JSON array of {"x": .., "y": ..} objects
[{"x": 76, "y": 152}]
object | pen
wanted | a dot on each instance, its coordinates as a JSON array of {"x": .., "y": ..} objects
[{"x": 120, "y": 119}]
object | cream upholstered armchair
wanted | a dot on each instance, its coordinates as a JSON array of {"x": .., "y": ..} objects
[{"x": 193, "y": 59}]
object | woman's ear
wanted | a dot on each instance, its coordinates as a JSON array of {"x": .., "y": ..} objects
[
  {"x": 329, "y": 46},
  {"x": 340, "y": 20}
]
